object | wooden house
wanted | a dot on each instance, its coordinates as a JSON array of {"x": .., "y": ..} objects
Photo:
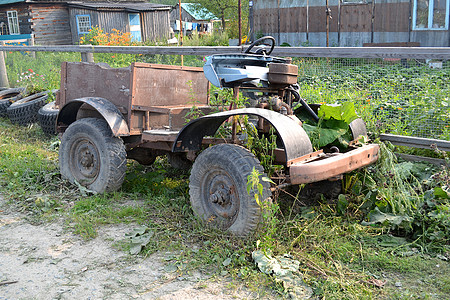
[
  {"x": 145, "y": 21},
  {"x": 194, "y": 18},
  {"x": 353, "y": 22},
  {"x": 63, "y": 22}
]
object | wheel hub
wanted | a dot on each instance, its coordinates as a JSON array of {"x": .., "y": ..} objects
[
  {"x": 221, "y": 196},
  {"x": 87, "y": 159},
  {"x": 85, "y": 163}
]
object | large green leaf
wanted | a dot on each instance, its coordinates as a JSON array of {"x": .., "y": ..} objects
[{"x": 341, "y": 112}]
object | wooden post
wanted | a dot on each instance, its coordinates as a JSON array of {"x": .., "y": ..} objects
[
  {"x": 181, "y": 31},
  {"x": 328, "y": 14},
  {"x": 31, "y": 43},
  {"x": 87, "y": 57},
  {"x": 3, "y": 74}
]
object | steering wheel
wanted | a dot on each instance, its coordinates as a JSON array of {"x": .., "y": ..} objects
[{"x": 259, "y": 42}]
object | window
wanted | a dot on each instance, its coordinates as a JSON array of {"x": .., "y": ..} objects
[
  {"x": 430, "y": 14},
  {"x": 83, "y": 23},
  {"x": 13, "y": 22}
]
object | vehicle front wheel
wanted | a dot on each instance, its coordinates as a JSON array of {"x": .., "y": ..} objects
[
  {"x": 90, "y": 155},
  {"x": 218, "y": 189}
]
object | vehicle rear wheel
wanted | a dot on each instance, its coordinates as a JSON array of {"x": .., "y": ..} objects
[
  {"x": 90, "y": 155},
  {"x": 218, "y": 189}
]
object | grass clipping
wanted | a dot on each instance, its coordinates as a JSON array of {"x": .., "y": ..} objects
[{"x": 285, "y": 270}]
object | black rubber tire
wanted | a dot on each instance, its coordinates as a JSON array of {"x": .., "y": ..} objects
[
  {"x": 7, "y": 97},
  {"x": 179, "y": 161},
  {"x": 218, "y": 173},
  {"x": 90, "y": 155},
  {"x": 47, "y": 115},
  {"x": 24, "y": 111}
]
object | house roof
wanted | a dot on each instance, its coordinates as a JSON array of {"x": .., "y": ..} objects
[
  {"x": 198, "y": 12},
  {"x": 3, "y": 2},
  {"x": 129, "y": 6}
]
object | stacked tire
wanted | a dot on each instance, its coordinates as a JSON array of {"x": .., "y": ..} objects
[
  {"x": 8, "y": 97},
  {"x": 25, "y": 110},
  {"x": 47, "y": 118}
]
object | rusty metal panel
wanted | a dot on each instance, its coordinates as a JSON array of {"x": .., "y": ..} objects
[
  {"x": 164, "y": 85},
  {"x": 356, "y": 18},
  {"x": 341, "y": 163},
  {"x": 295, "y": 141},
  {"x": 391, "y": 17},
  {"x": 96, "y": 80}
]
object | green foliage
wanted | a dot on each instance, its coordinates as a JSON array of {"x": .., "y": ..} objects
[
  {"x": 409, "y": 198},
  {"x": 333, "y": 126},
  {"x": 262, "y": 146}
]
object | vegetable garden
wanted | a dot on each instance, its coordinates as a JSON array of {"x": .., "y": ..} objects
[{"x": 390, "y": 220}]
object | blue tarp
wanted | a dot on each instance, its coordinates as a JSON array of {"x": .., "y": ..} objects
[{"x": 3, "y": 2}]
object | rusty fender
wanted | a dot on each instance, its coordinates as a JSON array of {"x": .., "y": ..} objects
[
  {"x": 68, "y": 114},
  {"x": 294, "y": 138}
]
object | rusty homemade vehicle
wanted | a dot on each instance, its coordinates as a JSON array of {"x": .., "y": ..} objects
[{"x": 110, "y": 114}]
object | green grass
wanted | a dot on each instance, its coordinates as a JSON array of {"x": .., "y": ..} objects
[{"x": 339, "y": 257}]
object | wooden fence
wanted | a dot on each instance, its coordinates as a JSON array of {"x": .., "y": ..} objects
[{"x": 439, "y": 53}]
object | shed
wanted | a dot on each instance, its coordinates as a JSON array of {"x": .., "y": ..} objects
[
  {"x": 47, "y": 22},
  {"x": 62, "y": 22},
  {"x": 145, "y": 21},
  {"x": 353, "y": 22},
  {"x": 194, "y": 17}
]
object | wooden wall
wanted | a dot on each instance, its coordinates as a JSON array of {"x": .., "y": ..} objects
[
  {"x": 50, "y": 24},
  {"x": 154, "y": 24},
  {"x": 23, "y": 15},
  {"x": 350, "y": 25}
]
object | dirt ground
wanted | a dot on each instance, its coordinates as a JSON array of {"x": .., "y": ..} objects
[{"x": 45, "y": 262}]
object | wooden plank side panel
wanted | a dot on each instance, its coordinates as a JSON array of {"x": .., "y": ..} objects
[
  {"x": 168, "y": 86},
  {"x": 391, "y": 17}
]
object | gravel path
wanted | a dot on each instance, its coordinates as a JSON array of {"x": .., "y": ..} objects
[{"x": 45, "y": 262}]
